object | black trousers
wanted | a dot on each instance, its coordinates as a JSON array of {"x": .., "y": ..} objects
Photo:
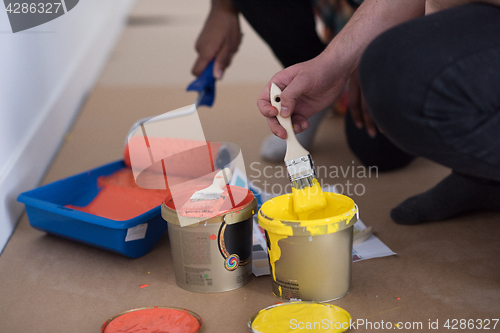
[
  {"x": 433, "y": 87},
  {"x": 289, "y": 28}
]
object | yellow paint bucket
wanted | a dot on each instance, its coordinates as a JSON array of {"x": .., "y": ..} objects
[{"x": 310, "y": 259}]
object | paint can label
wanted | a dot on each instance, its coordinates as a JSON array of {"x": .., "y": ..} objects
[
  {"x": 286, "y": 289},
  {"x": 235, "y": 244},
  {"x": 197, "y": 276},
  {"x": 212, "y": 258},
  {"x": 232, "y": 262}
]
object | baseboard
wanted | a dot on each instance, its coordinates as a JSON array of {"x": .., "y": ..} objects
[{"x": 35, "y": 153}]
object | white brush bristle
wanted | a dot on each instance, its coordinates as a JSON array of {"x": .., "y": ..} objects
[{"x": 198, "y": 196}]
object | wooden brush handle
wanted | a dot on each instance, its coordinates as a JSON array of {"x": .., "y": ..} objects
[{"x": 293, "y": 147}]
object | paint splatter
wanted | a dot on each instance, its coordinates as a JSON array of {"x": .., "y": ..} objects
[
  {"x": 144, "y": 285},
  {"x": 212, "y": 237}
]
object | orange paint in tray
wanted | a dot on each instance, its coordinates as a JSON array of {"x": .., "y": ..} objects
[
  {"x": 116, "y": 206},
  {"x": 120, "y": 198}
]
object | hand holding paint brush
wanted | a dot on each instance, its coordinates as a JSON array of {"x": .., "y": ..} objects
[
  {"x": 206, "y": 203},
  {"x": 307, "y": 194}
]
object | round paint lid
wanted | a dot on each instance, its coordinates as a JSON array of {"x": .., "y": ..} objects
[
  {"x": 300, "y": 317},
  {"x": 238, "y": 207},
  {"x": 154, "y": 319}
]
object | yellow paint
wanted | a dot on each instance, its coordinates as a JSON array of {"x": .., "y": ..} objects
[
  {"x": 278, "y": 215},
  {"x": 280, "y": 219},
  {"x": 274, "y": 251},
  {"x": 302, "y": 317},
  {"x": 308, "y": 200}
]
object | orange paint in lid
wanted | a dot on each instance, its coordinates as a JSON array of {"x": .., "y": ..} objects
[{"x": 156, "y": 319}]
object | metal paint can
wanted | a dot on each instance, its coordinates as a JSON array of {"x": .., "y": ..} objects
[
  {"x": 213, "y": 255},
  {"x": 310, "y": 260},
  {"x": 138, "y": 313}
]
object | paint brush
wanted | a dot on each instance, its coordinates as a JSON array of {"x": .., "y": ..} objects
[
  {"x": 206, "y": 203},
  {"x": 298, "y": 161}
]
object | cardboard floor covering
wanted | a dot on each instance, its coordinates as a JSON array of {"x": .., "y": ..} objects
[{"x": 442, "y": 271}]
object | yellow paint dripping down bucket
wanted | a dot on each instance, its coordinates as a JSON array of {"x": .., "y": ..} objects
[{"x": 310, "y": 259}]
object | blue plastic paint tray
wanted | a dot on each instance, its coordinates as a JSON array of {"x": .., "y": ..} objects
[{"x": 46, "y": 211}]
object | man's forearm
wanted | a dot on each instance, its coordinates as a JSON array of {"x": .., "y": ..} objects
[
  {"x": 432, "y": 6},
  {"x": 371, "y": 19}
]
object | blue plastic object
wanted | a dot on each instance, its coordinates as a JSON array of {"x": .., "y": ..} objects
[
  {"x": 46, "y": 211},
  {"x": 205, "y": 86}
]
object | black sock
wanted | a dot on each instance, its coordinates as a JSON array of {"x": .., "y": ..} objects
[{"x": 455, "y": 194}]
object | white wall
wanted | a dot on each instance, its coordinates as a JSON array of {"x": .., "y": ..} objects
[{"x": 45, "y": 73}]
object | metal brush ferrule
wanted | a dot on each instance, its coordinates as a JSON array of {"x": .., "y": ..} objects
[{"x": 301, "y": 171}]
